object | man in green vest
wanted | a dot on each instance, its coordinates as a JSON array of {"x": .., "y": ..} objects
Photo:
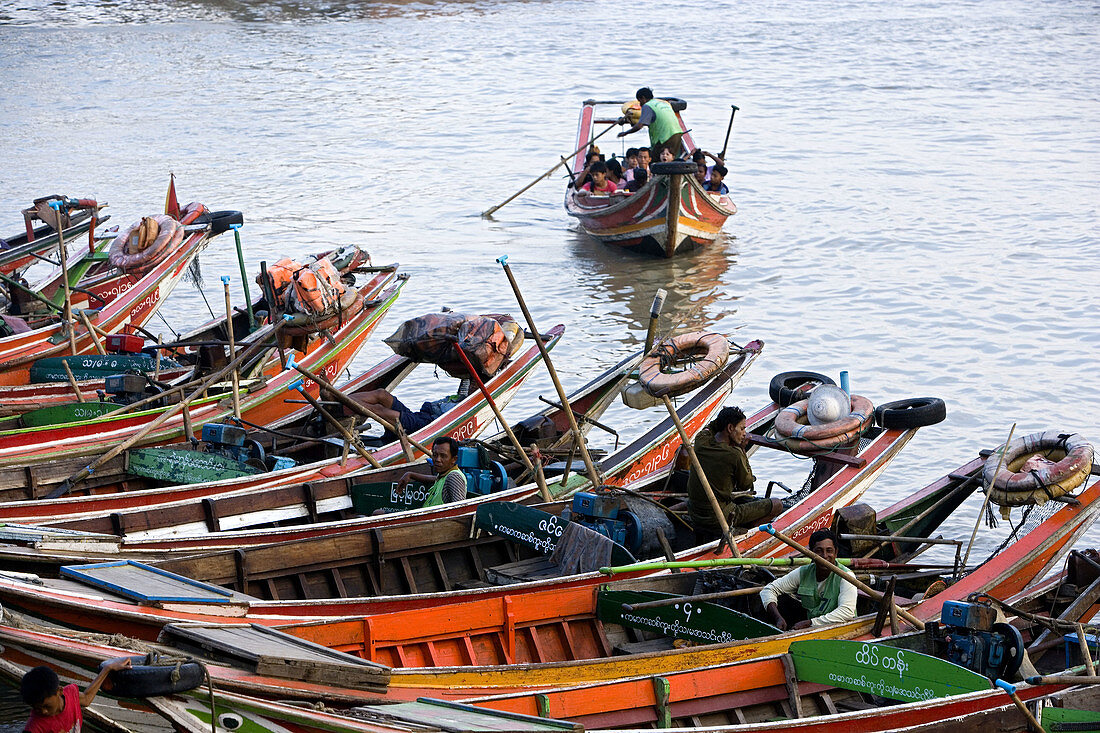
[
  {"x": 664, "y": 125},
  {"x": 826, "y": 597},
  {"x": 448, "y": 484}
]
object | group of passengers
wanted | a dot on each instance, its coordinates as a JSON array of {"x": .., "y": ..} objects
[{"x": 628, "y": 175}]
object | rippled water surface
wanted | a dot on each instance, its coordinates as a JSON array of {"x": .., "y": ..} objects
[{"x": 916, "y": 182}]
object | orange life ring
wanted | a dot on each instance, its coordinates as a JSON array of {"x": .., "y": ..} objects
[
  {"x": 793, "y": 425},
  {"x": 1067, "y": 465},
  {"x": 683, "y": 363},
  {"x": 127, "y": 257}
]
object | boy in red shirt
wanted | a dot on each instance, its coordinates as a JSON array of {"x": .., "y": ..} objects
[{"x": 57, "y": 709}]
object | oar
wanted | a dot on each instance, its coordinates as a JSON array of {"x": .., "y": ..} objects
[
  {"x": 1032, "y": 723},
  {"x": 491, "y": 210},
  {"x": 64, "y": 487},
  {"x": 543, "y": 488},
  {"x": 988, "y": 493},
  {"x": 72, "y": 381},
  {"x": 244, "y": 278},
  {"x": 714, "y": 505},
  {"x": 349, "y": 437},
  {"x": 654, "y": 315},
  {"x": 92, "y": 332},
  {"x": 1063, "y": 679},
  {"x": 858, "y": 563},
  {"x": 628, "y": 607},
  {"x": 353, "y": 405},
  {"x": 232, "y": 349},
  {"x": 593, "y": 474},
  {"x": 874, "y": 594},
  {"x": 64, "y": 256},
  {"x": 733, "y": 111}
]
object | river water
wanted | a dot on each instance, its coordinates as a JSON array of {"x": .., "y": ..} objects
[{"x": 916, "y": 181}]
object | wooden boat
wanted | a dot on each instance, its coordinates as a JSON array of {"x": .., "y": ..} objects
[
  {"x": 111, "y": 490},
  {"x": 669, "y": 214},
  {"x": 650, "y": 456},
  {"x": 833, "y": 685},
  {"x": 19, "y": 251},
  {"x": 126, "y": 300},
  {"x": 190, "y": 711},
  {"x": 554, "y": 637},
  {"x": 25, "y": 448}
]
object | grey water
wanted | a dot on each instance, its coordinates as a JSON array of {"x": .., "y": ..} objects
[{"x": 917, "y": 182}]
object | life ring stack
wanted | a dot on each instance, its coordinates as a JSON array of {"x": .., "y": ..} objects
[
  {"x": 797, "y": 434},
  {"x": 682, "y": 364},
  {"x": 1037, "y": 468}
]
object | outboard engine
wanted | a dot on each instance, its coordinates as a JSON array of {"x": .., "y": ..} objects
[
  {"x": 482, "y": 475},
  {"x": 976, "y": 640},
  {"x": 608, "y": 515},
  {"x": 125, "y": 389},
  {"x": 231, "y": 441}
]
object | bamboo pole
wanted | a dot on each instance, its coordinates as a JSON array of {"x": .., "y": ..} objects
[
  {"x": 232, "y": 349},
  {"x": 72, "y": 381},
  {"x": 92, "y": 332},
  {"x": 1009, "y": 688},
  {"x": 714, "y": 505},
  {"x": 593, "y": 474},
  {"x": 988, "y": 493},
  {"x": 874, "y": 594},
  {"x": 544, "y": 490},
  {"x": 493, "y": 209},
  {"x": 628, "y": 607},
  {"x": 64, "y": 257},
  {"x": 83, "y": 473},
  {"x": 353, "y": 405},
  {"x": 349, "y": 437}
]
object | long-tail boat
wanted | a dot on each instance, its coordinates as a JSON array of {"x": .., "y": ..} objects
[
  {"x": 23, "y": 249},
  {"x": 25, "y": 448},
  {"x": 670, "y": 213},
  {"x": 128, "y": 298},
  {"x": 835, "y": 685},
  {"x": 650, "y": 456}
]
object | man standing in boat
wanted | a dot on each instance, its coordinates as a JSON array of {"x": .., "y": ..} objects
[
  {"x": 659, "y": 117},
  {"x": 825, "y": 596}
]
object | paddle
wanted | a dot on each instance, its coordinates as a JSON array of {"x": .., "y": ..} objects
[
  {"x": 349, "y": 437},
  {"x": 874, "y": 594},
  {"x": 232, "y": 349},
  {"x": 578, "y": 438},
  {"x": 492, "y": 209},
  {"x": 64, "y": 256},
  {"x": 244, "y": 278},
  {"x": 733, "y": 111}
]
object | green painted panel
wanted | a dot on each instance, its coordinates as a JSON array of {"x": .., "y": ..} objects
[
  {"x": 369, "y": 498},
  {"x": 704, "y": 622},
  {"x": 95, "y": 366},
  {"x": 878, "y": 669},
  {"x": 72, "y": 412},
  {"x": 532, "y": 528},
  {"x": 176, "y": 466},
  {"x": 1053, "y": 717}
]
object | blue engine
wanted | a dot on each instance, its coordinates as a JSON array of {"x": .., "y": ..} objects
[
  {"x": 606, "y": 514},
  {"x": 480, "y": 480},
  {"x": 232, "y": 442},
  {"x": 976, "y": 641}
]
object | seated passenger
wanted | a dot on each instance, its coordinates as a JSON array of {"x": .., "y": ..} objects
[
  {"x": 630, "y": 160},
  {"x": 666, "y": 156},
  {"x": 615, "y": 173},
  {"x": 638, "y": 179},
  {"x": 599, "y": 182},
  {"x": 448, "y": 483},
  {"x": 393, "y": 410},
  {"x": 715, "y": 185},
  {"x": 700, "y": 159},
  {"x": 826, "y": 597}
]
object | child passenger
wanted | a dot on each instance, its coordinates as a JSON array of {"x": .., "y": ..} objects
[
  {"x": 615, "y": 173},
  {"x": 715, "y": 185},
  {"x": 599, "y": 182},
  {"x": 57, "y": 709},
  {"x": 637, "y": 180}
]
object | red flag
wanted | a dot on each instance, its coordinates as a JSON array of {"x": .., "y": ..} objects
[{"x": 171, "y": 206}]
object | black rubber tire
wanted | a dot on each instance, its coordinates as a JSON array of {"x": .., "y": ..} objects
[
  {"x": 673, "y": 167},
  {"x": 677, "y": 104},
  {"x": 916, "y": 412},
  {"x": 143, "y": 680},
  {"x": 783, "y": 388},
  {"x": 223, "y": 221}
]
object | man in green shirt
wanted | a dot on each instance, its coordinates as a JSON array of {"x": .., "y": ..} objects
[
  {"x": 448, "y": 484},
  {"x": 720, "y": 448},
  {"x": 664, "y": 126},
  {"x": 825, "y": 596}
]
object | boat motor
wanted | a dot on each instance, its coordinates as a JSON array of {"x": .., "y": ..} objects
[
  {"x": 125, "y": 389},
  {"x": 231, "y": 441},
  {"x": 976, "y": 640},
  {"x": 608, "y": 515},
  {"x": 482, "y": 475}
]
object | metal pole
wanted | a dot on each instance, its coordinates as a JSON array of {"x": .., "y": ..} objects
[{"x": 244, "y": 279}]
